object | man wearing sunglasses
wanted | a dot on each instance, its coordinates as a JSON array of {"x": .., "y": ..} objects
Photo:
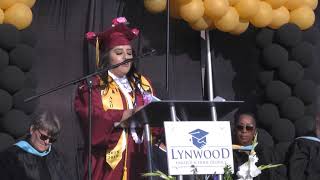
[{"x": 34, "y": 157}]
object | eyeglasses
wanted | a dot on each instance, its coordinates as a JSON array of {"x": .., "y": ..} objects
[
  {"x": 248, "y": 127},
  {"x": 45, "y": 137}
]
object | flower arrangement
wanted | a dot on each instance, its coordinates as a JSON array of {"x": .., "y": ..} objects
[
  {"x": 226, "y": 176},
  {"x": 249, "y": 170}
]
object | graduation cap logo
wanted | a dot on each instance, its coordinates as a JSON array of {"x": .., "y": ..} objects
[{"x": 199, "y": 138}]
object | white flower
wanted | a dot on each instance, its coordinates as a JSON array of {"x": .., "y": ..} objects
[{"x": 249, "y": 170}]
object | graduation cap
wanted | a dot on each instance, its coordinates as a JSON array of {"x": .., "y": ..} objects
[
  {"x": 118, "y": 34},
  {"x": 199, "y": 138}
]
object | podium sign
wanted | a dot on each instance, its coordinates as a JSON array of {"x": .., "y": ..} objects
[{"x": 198, "y": 147}]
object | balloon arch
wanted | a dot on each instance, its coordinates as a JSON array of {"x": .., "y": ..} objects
[{"x": 234, "y": 16}]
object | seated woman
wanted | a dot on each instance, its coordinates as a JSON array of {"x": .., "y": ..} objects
[
  {"x": 34, "y": 158},
  {"x": 245, "y": 130},
  {"x": 116, "y": 95}
]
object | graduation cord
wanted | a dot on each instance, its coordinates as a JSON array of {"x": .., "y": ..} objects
[{"x": 125, "y": 172}]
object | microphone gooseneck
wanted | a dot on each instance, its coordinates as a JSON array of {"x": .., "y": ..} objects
[{"x": 149, "y": 53}]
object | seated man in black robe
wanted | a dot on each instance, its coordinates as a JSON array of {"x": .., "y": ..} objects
[
  {"x": 34, "y": 158},
  {"x": 304, "y": 156},
  {"x": 245, "y": 130}
]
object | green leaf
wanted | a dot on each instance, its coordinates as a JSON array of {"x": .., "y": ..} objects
[
  {"x": 269, "y": 166},
  {"x": 227, "y": 174},
  {"x": 254, "y": 143},
  {"x": 159, "y": 174}
]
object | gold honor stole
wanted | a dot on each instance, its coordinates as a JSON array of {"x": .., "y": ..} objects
[
  {"x": 112, "y": 99},
  {"x": 114, "y": 156}
]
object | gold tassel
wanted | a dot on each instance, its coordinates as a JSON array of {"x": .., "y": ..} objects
[
  {"x": 97, "y": 53},
  {"x": 124, "y": 177},
  {"x": 125, "y": 173}
]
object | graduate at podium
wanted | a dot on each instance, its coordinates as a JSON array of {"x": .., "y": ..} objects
[{"x": 116, "y": 153}]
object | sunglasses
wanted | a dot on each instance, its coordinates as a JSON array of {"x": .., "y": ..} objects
[
  {"x": 45, "y": 137},
  {"x": 245, "y": 127}
]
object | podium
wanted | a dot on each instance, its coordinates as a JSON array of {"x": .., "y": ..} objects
[{"x": 155, "y": 113}]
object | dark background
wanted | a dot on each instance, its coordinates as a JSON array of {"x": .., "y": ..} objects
[{"x": 63, "y": 55}]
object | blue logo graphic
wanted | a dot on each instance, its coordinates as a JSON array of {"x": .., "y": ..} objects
[{"x": 199, "y": 138}]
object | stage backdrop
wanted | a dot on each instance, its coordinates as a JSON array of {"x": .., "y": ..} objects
[{"x": 63, "y": 55}]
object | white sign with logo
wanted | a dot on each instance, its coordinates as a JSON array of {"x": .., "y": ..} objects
[{"x": 198, "y": 147}]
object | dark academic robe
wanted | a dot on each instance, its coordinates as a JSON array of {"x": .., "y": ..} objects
[
  {"x": 105, "y": 136},
  {"x": 264, "y": 155},
  {"x": 159, "y": 159},
  {"x": 17, "y": 164},
  {"x": 304, "y": 160}
]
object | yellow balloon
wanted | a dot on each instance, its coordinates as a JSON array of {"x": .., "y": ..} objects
[
  {"x": 263, "y": 17},
  {"x": 4, "y": 4},
  {"x": 276, "y": 3},
  {"x": 202, "y": 24},
  {"x": 155, "y": 6},
  {"x": 1, "y": 16},
  {"x": 233, "y": 2},
  {"x": 229, "y": 21},
  {"x": 303, "y": 16},
  {"x": 183, "y": 1},
  {"x": 280, "y": 17},
  {"x": 293, "y": 4},
  {"x": 192, "y": 11},
  {"x": 18, "y": 15},
  {"x": 215, "y": 8},
  {"x": 29, "y": 3},
  {"x": 212, "y": 26},
  {"x": 247, "y": 8},
  {"x": 311, "y": 3},
  {"x": 174, "y": 9},
  {"x": 241, "y": 27}
]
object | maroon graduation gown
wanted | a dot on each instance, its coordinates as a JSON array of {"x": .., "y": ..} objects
[{"x": 105, "y": 136}]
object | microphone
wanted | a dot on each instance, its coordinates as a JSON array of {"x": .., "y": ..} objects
[{"x": 150, "y": 52}]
